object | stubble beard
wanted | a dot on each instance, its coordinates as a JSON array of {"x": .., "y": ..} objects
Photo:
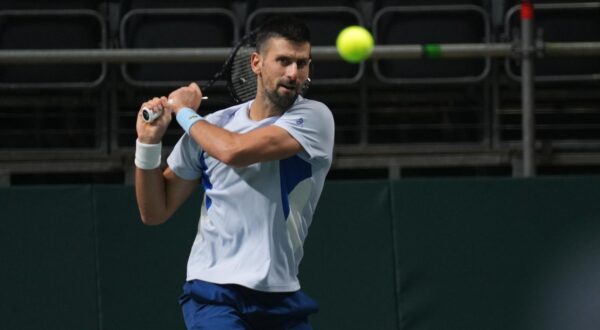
[{"x": 282, "y": 102}]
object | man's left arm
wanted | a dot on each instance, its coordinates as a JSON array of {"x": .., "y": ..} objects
[{"x": 242, "y": 149}]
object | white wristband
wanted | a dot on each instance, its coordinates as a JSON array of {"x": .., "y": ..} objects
[
  {"x": 187, "y": 117},
  {"x": 147, "y": 156}
]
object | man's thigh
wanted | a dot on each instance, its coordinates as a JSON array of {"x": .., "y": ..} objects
[
  {"x": 200, "y": 316},
  {"x": 278, "y": 323}
]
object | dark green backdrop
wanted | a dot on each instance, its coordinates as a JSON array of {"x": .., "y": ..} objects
[{"x": 409, "y": 254}]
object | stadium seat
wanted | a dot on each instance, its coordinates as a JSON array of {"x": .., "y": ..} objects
[
  {"x": 175, "y": 28},
  {"x": 257, "y": 4},
  {"x": 45, "y": 5},
  {"x": 405, "y": 25},
  {"x": 324, "y": 22},
  {"x": 31, "y": 29},
  {"x": 390, "y": 3},
  {"x": 559, "y": 22},
  {"x": 148, "y": 4}
]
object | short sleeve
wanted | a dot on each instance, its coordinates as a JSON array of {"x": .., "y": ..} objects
[
  {"x": 184, "y": 161},
  {"x": 311, "y": 124}
]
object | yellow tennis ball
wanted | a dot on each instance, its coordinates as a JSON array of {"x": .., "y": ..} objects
[{"x": 354, "y": 44}]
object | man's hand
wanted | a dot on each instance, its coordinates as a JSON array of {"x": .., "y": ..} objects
[
  {"x": 185, "y": 97},
  {"x": 153, "y": 132}
]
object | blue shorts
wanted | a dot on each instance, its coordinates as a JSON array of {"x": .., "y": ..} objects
[{"x": 214, "y": 306}]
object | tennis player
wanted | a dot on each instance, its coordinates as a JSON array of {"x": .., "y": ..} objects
[{"x": 262, "y": 164}]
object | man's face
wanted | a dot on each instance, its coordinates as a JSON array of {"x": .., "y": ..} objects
[{"x": 282, "y": 68}]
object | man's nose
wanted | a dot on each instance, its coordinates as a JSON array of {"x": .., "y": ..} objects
[{"x": 292, "y": 71}]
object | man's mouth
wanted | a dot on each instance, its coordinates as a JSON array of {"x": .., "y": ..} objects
[{"x": 289, "y": 87}]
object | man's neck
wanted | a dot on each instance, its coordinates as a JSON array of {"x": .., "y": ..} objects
[{"x": 263, "y": 108}]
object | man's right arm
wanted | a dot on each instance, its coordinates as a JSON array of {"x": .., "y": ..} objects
[{"x": 158, "y": 193}]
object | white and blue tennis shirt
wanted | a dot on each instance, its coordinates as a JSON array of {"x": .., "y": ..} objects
[{"x": 254, "y": 219}]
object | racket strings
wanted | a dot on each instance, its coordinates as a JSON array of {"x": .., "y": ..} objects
[{"x": 242, "y": 80}]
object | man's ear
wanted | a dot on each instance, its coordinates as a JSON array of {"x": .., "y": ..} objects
[{"x": 255, "y": 62}]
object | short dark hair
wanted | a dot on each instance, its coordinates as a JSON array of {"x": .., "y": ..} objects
[{"x": 284, "y": 26}]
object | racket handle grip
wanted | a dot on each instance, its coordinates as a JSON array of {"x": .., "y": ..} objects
[{"x": 149, "y": 115}]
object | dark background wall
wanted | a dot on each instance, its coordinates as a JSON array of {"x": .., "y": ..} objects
[{"x": 410, "y": 254}]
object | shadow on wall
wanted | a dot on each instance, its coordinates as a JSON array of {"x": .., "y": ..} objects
[{"x": 568, "y": 295}]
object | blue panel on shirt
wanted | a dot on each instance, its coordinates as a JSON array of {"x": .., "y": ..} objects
[
  {"x": 292, "y": 171},
  {"x": 205, "y": 179}
]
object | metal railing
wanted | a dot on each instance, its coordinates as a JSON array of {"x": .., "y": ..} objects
[{"x": 328, "y": 53}]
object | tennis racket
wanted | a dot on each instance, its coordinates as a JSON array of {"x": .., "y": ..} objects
[{"x": 237, "y": 72}]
